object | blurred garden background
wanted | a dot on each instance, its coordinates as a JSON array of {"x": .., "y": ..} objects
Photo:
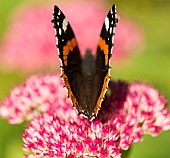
[{"x": 142, "y": 54}]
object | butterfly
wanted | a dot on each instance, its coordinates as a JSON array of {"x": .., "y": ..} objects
[{"x": 86, "y": 78}]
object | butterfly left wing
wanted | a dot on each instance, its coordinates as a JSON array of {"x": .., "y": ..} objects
[
  {"x": 69, "y": 54},
  {"x": 103, "y": 55}
]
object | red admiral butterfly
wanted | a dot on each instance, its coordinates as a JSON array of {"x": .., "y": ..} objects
[{"x": 85, "y": 78}]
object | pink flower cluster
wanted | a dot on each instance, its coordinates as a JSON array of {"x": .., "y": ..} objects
[
  {"x": 30, "y": 36},
  {"x": 138, "y": 108},
  {"x": 49, "y": 136},
  {"x": 128, "y": 111},
  {"x": 39, "y": 94},
  {"x": 148, "y": 108},
  {"x": 139, "y": 105},
  {"x": 142, "y": 111}
]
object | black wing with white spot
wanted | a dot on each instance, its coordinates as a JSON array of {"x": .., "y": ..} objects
[
  {"x": 103, "y": 55},
  {"x": 65, "y": 38},
  {"x": 87, "y": 79},
  {"x": 70, "y": 56},
  {"x": 106, "y": 40}
]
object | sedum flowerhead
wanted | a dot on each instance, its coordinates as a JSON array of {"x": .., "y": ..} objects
[
  {"x": 50, "y": 136},
  {"x": 39, "y": 94},
  {"x": 139, "y": 107},
  {"x": 127, "y": 113}
]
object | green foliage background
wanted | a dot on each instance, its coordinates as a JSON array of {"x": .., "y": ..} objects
[{"x": 152, "y": 64}]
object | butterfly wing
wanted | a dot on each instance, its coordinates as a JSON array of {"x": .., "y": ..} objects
[
  {"x": 103, "y": 55},
  {"x": 70, "y": 56}
]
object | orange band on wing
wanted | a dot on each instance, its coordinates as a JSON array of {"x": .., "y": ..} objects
[
  {"x": 100, "y": 99},
  {"x": 71, "y": 44},
  {"x": 70, "y": 93},
  {"x": 105, "y": 48}
]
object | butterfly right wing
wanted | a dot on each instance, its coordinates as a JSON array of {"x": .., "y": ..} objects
[
  {"x": 103, "y": 55},
  {"x": 70, "y": 57}
]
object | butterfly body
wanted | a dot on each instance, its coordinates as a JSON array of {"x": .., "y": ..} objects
[{"x": 86, "y": 78}]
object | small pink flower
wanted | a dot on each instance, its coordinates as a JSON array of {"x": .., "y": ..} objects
[
  {"x": 29, "y": 43},
  {"x": 37, "y": 95}
]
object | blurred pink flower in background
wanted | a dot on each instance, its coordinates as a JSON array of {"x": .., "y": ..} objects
[
  {"x": 130, "y": 111},
  {"x": 39, "y": 94},
  {"x": 129, "y": 38},
  {"x": 29, "y": 43}
]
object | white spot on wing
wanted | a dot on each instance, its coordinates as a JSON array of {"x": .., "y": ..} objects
[
  {"x": 55, "y": 32},
  {"x": 107, "y": 23},
  {"x": 59, "y": 31},
  {"x": 110, "y": 30},
  {"x": 64, "y": 25},
  {"x": 56, "y": 41},
  {"x": 59, "y": 54},
  {"x": 111, "y": 11},
  {"x": 116, "y": 13}
]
